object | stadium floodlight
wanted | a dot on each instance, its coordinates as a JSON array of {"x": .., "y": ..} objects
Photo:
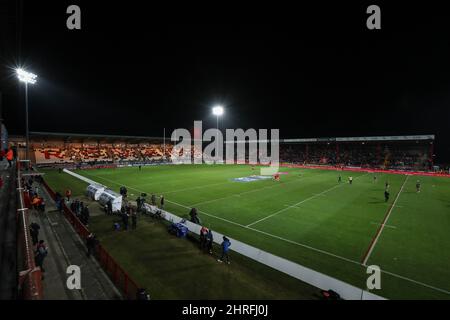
[
  {"x": 217, "y": 111},
  {"x": 26, "y": 77}
]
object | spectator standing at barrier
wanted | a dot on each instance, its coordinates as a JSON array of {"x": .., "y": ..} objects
[
  {"x": 109, "y": 204},
  {"x": 209, "y": 241},
  {"x": 153, "y": 200},
  {"x": 34, "y": 232},
  {"x": 68, "y": 194},
  {"x": 123, "y": 191},
  {"x": 10, "y": 157},
  {"x": 35, "y": 202},
  {"x": 194, "y": 216},
  {"x": 80, "y": 209},
  {"x": 58, "y": 201},
  {"x": 73, "y": 206},
  {"x": 41, "y": 206},
  {"x": 91, "y": 242},
  {"x": 203, "y": 233},
  {"x": 162, "y": 202},
  {"x": 139, "y": 204},
  {"x": 85, "y": 215},
  {"x": 225, "y": 248},
  {"x": 41, "y": 253}
]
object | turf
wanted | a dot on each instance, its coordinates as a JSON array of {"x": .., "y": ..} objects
[{"x": 310, "y": 218}]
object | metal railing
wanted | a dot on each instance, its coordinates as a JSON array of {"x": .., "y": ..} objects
[{"x": 30, "y": 276}]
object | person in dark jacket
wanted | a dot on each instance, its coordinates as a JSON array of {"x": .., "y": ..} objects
[
  {"x": 139, "y": 204},
  {"x": 59, "y": 202},
  {"x": 91, "y": 242},
  {"x": 203, "y": 233},
  {"x": 41, "y": 253},
  {"x": 86, "y": 215},
  {"x": 109, "y": 204},
  {"x": 225, "y": 248},
  {"x": 209, "y": 241},
  {"x": 162, "y": 202},
  {"x": 34, "y": 232}
]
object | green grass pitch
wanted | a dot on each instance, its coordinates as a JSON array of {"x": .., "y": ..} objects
[{"x": 310, "y": 218}]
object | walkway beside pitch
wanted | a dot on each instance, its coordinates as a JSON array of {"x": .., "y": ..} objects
[{"x": 66, "y": 248}]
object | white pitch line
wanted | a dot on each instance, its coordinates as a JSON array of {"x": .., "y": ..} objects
[
  {"x": 194, "y": 188},
  {"x": 416, "y": 282},
  {"x": 298, "y": 203},
  {"x": 245, "y": 192},
  {"x": 374, "y": 242},
  {"x": 386, "y": 225},
  {"x": 270, "y": 235},
  {"x": 296, "y": 243},
  {"x": 251, "y": 191}
]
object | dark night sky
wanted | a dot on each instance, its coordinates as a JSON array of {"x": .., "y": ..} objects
[{"x": 310, "y": 71}]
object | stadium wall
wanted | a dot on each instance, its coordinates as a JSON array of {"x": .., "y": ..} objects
[{"x": 314, "y": 278}]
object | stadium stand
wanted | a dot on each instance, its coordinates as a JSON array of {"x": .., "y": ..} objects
[
  {"x": 400, "y": 153},
  {"x": 106, "y": 153},
  {"x": 412, "y": 153}
]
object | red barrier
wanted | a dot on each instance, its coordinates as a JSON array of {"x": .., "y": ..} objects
[{"x": 119, "y": 277}]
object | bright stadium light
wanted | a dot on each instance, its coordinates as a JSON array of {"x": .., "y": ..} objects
[
  {"x": 25, "y": 76},
  {"x": 217, "y": 110}
]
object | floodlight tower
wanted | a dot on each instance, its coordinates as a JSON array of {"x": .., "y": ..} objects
[
  {"x": 26, "y": 77},
  {"x": 217, "y": 111}
]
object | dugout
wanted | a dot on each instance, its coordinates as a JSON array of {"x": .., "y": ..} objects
[
  {"x": 116, "y": 199},
  {"x": 93, "y": 191}
]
